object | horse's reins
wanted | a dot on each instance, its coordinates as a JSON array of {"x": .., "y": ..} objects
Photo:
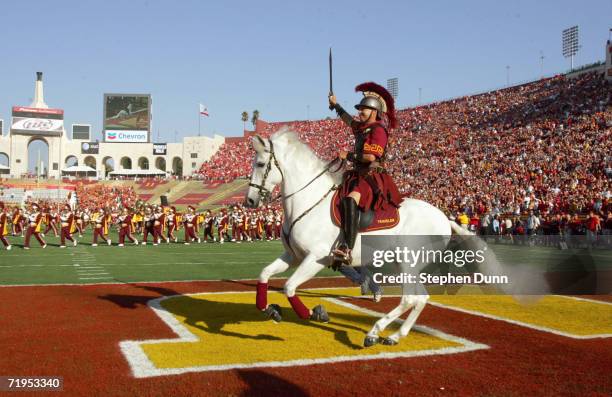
[{"x": 264, "y": 192}]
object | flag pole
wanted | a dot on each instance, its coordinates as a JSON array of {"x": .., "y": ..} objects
[{"x": 199, "y": 122}]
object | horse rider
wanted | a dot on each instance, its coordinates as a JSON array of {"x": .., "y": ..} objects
[{"x": 367, "y": 186}]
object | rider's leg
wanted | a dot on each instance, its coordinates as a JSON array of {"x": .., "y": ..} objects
[
  {"x": 350, "y": 223},
  {"x": 362, "y": 277},
  {"x": 278, "y": 266}
]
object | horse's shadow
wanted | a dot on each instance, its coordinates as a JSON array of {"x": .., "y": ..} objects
[{"x": 212, "y": 316}]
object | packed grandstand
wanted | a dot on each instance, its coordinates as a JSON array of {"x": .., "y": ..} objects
[{"x": 490, "y": 161}]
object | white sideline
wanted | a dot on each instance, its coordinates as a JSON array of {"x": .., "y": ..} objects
[{"x": 527, "y": 325}]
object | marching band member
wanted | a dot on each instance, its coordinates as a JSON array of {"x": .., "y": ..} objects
[
  {"x": 222, "y": 226},
  {"x": 85, "y": 220},
  {"x": 198, "y": 222},
  {"x": 244, "y": 226},
  {"x": 261, "y": 220},
  {"x": 209, "y": 220},
  {"x": 50, "y": 217},
  {"x": 173, "y": 224},
  {"x": 253, "y": 226},
  {"x": 68, "y": 226},
  {"x": 189, "y": 220},
  {"x": 278, "y": 221},
  {"x": 34, "y": 222},
  {"x": 237, "y": 219},
  {"x": 159, "y": 222},
  {"x": 4, "y": 225},
  {"x": 99, "y": 221},
  {"x": 138, "y": 221},
  {"x": 17, "y": 222},
  {"x": 125, "y": 227},
  {"x": 269, "y": 221},
  {"x": 147, "y": 226}
]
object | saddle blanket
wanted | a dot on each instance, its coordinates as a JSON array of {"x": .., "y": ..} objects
[{"x": 383, "y": 219}]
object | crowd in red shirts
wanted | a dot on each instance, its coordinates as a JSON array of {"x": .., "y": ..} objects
[
  {"x": 95, "y": 196},
  {"x": 543, "y": 145}
]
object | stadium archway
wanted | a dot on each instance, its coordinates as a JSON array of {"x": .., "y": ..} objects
[
  {"x": 90, "y": 161},
  {"x": 4, "y": 161},
  {"x": 143, "y": 163},
  {"x": 160, "y": 163},
  {"x": 126, "y": 163},
  {"x": 38, "y": 146},
  {"x": 109, "y": 165},
  {"x": 177, "y": 166},
  {"x": 71, "y": 161}
]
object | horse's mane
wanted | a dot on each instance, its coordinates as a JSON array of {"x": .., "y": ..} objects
[{"x": 310, "y": 158}]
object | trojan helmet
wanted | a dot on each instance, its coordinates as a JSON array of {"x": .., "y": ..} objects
[{"x": 378, "y": 98}]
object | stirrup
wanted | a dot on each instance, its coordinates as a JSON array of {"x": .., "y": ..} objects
[{"x": 343, "y": 254}]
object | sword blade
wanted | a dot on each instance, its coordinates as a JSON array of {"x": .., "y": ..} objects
[{"x": 331, "y": 81}]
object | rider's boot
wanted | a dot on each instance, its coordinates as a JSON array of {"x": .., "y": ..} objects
[{"x": 350, "y": 223}]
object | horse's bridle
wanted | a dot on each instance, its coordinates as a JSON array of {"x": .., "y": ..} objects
[{"x": 264, "y": 193}]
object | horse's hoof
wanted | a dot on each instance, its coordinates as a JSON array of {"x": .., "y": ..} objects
[
  {"x": 388, "y": 342},
  {"x": 370, "y": 341},
  {"x": 274, "y": 312},
  {"x": 319, "y": 314}
]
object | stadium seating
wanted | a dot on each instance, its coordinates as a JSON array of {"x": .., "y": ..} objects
[{"x": 542, "y": 145}]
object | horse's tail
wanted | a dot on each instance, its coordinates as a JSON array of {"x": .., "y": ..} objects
[
  {"x": 520, "y": 278},
  {"x": 459, "y": 230}
]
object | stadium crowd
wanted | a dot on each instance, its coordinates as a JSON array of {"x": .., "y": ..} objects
[{"x": 542, "y": 146}]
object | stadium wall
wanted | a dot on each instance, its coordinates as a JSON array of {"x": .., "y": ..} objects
[{"x": 192, "y": 152}]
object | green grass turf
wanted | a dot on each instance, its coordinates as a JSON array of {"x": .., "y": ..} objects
[
  {"x": 165, "y": 262},
  {"x": 173, "y": 262}
]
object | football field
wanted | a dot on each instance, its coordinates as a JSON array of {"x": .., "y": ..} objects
[
  {"x": 181, "y": 320},
  {"x": 85, "y": 264}
]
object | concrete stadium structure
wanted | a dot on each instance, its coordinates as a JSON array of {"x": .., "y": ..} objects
[{"x": 181, "y": 158}]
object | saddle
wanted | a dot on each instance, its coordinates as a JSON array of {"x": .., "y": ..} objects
[{"x": 368, "y": 220}]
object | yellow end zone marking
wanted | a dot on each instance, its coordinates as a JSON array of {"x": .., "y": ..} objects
[
  {"x": 224, "y": 330},
  {"x": 567, "y": 316}
]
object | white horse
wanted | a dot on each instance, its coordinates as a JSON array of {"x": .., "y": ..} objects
[{"x": 309, "y": 234}]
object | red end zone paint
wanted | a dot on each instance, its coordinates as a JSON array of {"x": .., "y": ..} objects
[{"x": 74, "y": 331}]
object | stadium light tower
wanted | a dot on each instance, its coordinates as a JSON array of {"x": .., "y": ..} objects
[
  {"x": 569, "y": 39},
  {"x": 507, "y": 75},
  {"x": 393, "y": 87}
]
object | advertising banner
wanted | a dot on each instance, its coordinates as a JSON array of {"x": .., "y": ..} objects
[
  {"x": 126, "y": 136},
  {"x": 160, "y": 149}
]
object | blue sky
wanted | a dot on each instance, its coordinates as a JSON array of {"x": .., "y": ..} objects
[{"x": 272, "y": 55}]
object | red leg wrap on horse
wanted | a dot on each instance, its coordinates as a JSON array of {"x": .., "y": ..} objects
[
  {"x": 297, "y": 305},
  {"x": 261, "y": 300}
]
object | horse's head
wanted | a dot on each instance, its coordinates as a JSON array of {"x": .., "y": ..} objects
[{"x": 266, "y": 172}]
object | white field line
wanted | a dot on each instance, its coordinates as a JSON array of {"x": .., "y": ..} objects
[
  {"x": 521, "y": 323},
  {"x": 95, "y": 278},
  {"x": 142, "y": 264}
]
